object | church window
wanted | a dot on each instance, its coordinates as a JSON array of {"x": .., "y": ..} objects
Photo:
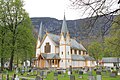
[
  {"x": 71, "y": 51},
  {"x": 75, "y": 51},
  {"x": 47, "y": 48},
  {"x": 79, "y": 52},
  {"x": 68, "y": 52},
  {"x": 53, "y": 61},
  {"x": 62, "y": 53}
]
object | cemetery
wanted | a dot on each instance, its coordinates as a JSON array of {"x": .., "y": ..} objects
[{"x": 61, "y": 74}]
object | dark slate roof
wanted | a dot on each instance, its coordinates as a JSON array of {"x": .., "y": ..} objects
[
  {"x": 74, "y": 43},
  {"x": 64, "y": 29},
  {"x": 55, "y": 38},
  {"x": 41, "y": 31},
  {"x": 89, "y": 58},
  {"x": 77, "y": 57},
  {"x": 50, "y": 56},
  {"x": 110, "y": 59}
]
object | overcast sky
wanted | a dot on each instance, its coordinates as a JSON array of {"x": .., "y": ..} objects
[
  {"x": 51, "y": 8},
  {"x": 56, "y": 8}
]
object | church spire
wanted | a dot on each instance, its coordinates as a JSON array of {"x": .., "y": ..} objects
[
  {"x": 64, "y": 29},
  {"x": 41, "y": 32}
]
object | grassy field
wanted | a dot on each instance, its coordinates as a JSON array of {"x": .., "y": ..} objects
[{"x": 50, "y": 76}]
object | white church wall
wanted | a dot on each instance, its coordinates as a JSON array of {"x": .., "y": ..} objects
[
  {"x": 108, "y": 64},
  {"x": 47, "y": 39},
  {"x": 46, "y": 64},
  {"x": 62, "y": 63},
  {"x": 56, "y": 49},
  {"x": 73, "y": 52},
  {"x": 68, "y": 55},
  {"x": 77, "y": 52},
  {"x": 81, "y": 63},
  {"x": 62, "y": 51},
  {"x": 37, "y": 52},
  {"x": 38, "y": 43},
  {"x": 81, "y": 52}
]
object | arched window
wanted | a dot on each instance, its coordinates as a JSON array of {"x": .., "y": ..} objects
[
  {"x": 68, "y": 52},
  {"x": 62, "y": 53},
  {"x": 79, "y": 52},
  {"x": 47, "y": 48},
  {"x": 75, "y": 51},
  {"x": 71, "y": 51}
]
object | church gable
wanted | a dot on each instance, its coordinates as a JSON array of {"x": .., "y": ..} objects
[{"x": 47, "y": 45}]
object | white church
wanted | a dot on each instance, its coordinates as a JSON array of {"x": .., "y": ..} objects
[{"x": 61, "y": 51}]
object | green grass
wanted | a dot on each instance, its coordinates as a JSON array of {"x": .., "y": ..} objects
[{"x": 50, "y": 76}]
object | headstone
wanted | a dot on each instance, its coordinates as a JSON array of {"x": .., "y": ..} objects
[
  {"x": 99, "y": 77},
  {"x": 112, "y": 75},
  {"x": 16, "y": 77},
  {"x": 38, "y": 78},
  {"x": 64, "y": 71},
  {"x": 19, "y": 70},
  {"x": 72, "y": 77},
  {"x": 98, "y": 72},
  {"x": 59, "y": 72},
  {"x": 41, "y": 73},
  {"x": 22, "y": 72},
  {"x": 91, "y": 78},
  {"x": 90, "y": 73},
  {"x": 80, "y": 77},
  {"x": 69, "y": 73},
  {"x": 70, "y": 69},
  {"x": 55, "y": 78},
  {"x": 80, "y": 72},
  {"x": 16, "y": 70},
  {"x": 0, "y": 76},
  {"x": 7, "y": 77},
  {"x": 55, "y": 74},
  {"x": 118, "y": 72}
]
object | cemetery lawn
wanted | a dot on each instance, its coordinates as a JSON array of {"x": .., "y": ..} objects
[{"x": 50, "y": 76}]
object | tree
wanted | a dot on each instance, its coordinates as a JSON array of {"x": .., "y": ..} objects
[
  {"x": 113, "y": 41},
  {"x": 14, "y": 15},
  {"x": 25, "y": 41},
  {"x": 98, "y": 9},
  {"x": 95, "y": 50}
]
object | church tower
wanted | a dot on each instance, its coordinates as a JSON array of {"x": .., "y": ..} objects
[
  {"x": 40, "y": 37},
  {"x": 65, "y": 46}
]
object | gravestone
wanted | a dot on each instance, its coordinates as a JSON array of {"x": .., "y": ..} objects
[
  {"x": 22, "y": 71},
  {"x": 41, "y": 73},
  {"x": 1, "y": 75},
  {"x": 55, "y": 74},
  {"x": 7, "y": 77},
  {"x": 16, "y": 78},
  {"x": 69, "y": 73},
  {"x": 18, "y": 70},
  {"x": 91, "y": 78},
  {"x": 38, "y": 78},
  {"x": 80, "y": 72},
  {"x": 112, "y": 75},
  {"x": 55, "y": 78},
  {"x": 98, "y": 72},
  {"x": 64, "y": 71},
  {"x": 72, "y": 77},
  {"x": 99, "y": 77},
  {"x": 118, "y": 72},
  {"x": 70, "y": 69},
  {"x": 90, "y": 73},
  {"x": 59, "y": 72}
]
